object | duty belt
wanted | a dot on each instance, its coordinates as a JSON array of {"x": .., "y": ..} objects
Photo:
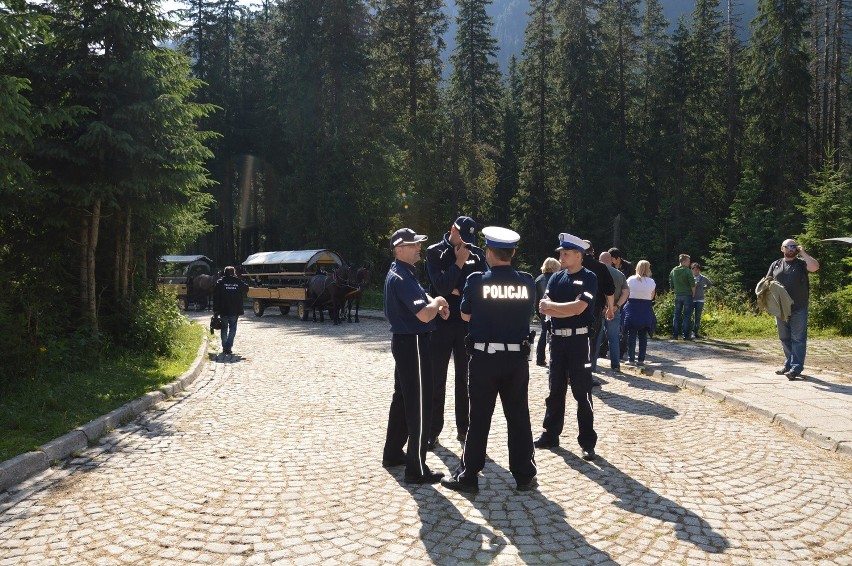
[
  {"x": 570, "y": 331},
  {"x": 491, "y": 347}
]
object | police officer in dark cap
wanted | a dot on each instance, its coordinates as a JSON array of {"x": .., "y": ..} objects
[
  {"x": 448, "y": 263},
  {"x": 569, "y": 300},
  {"x": 498, "y": 305},
  {"x": 411, "y": 313}
]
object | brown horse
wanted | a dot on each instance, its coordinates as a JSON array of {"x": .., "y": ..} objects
[
  {"x": 198, "y": 291},
  {"x": 358, "y": 279},
  {"x": 327, "y": 291}
]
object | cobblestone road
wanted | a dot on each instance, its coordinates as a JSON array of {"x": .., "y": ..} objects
[{"x": 274, "y": 456}]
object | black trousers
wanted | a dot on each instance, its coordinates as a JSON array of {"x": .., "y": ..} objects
[
  {"x": 448, "y": 339},
  {"x": 411, "y": 405},
  {"x": 506, "y": 374},
  {"x": 570, "y": 364}
]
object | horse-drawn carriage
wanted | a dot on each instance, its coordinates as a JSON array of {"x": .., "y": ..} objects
[
  {"x": 283, "y": 279},
  {"x": 189, "y": 277}
]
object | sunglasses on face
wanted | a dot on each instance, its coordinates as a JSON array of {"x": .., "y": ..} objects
[{"x": 792, "y": 247}]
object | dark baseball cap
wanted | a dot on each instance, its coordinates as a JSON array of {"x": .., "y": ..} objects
[
  {"x": 467, "y": 228},
  {"x": 405, "y": 236}
]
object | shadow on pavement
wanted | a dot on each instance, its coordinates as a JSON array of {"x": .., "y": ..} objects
[
  {"x": 673, "y": 367},
  {"x": 221, "y": 358},
  {"x": 529, "y": 521},
  {"x": 639, "y": 382},
  {"x": 444, "y": 530},
  {"x": 636, "y": 406},
  {"x": 637, "y": 498},
  {"x": 826, "y": 385}
]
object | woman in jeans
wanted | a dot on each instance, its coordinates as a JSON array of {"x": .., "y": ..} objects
[{"x": 638, "y": 312}]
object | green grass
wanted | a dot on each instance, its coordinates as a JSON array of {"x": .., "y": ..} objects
[
  {"x": 35, "y": 411},
  {"x": 725, "y": 323},
  {"x": 719, "y": 322}
]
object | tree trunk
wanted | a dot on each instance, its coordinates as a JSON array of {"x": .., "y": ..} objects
[
  {"x": 116, "y": 260},
  {"x": 825, "y": 84},
  {"x": 838, "y": 75},
  {"x": 125, "y": 258},
  {"x": 88, "y": 246},
  {"x": 730, "y": 158},
  {"x": 83, "y": 267},
  {"x": 94, "y": 228}
]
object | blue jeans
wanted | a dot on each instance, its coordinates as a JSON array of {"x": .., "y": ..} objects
[
  {"x": 698, "y": 308},
  {"x": 631, "y": 344},
  {"x": 682, "y": 315},
  {"x": 611, "y": 328},
  {"x": 229, "y": 330},
  {"x": 794, "y": 339}
]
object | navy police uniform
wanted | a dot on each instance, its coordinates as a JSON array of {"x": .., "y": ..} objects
[
  {"x": 445, "y": 277},
  {"x": 411, "y": 406},
  {"x": 499, "y": 302},
  {"x": 570, "y": 361}
]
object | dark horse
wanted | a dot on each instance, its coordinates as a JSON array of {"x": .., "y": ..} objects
[
  {"x": 357, "y": 280},
  {"x": 198, "y": 290},
  {"x": 328, "y": 291}
]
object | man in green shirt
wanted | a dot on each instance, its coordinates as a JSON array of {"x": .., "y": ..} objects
[{"x": 682, "y": 283}]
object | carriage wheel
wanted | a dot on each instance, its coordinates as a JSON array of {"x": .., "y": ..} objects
[
  {"x": 258, "y": 307},
  {"x": 303, "y": 312},
  {"x": 284, "y": 309}
]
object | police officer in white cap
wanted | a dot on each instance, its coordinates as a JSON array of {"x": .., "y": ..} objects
[
  {"x": 411, "y": 313},
  {"x": 498, "y": 304},
  {"x": 568, "y": 300}
]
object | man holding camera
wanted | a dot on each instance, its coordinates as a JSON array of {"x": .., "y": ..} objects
[
  {"x": 448, "y": 263},
  {"x": 791, "y": 272}
]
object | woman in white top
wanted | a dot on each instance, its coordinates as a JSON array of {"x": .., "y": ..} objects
[{"x": 639, "y": 316}]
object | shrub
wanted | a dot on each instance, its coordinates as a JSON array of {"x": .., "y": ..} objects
[
  {"x": 664, "y": 310},
  {"x": 833, "y": 310},
  {"x": 154, "y": 323},
  {"x": 721, "y": 320},
  {"x": 738, "y": 301}
]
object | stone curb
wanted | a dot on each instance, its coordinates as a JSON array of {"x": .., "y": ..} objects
[
  {"x": 24, "y": 466},
  {"x": 786, "y": 421}
]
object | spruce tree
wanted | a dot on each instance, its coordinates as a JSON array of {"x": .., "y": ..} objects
[
  {"x": 407, "y": 58},
  {"x": 827, "y": 209},
  {"x": 536, "y": 201},
  {"x": 134, "y": 159},
  {"x": 475, "y": 77},
  {"x": 748, "y": 242},
  {"x": 776, "y": 92},
  {"x": 510, "y": 147}
]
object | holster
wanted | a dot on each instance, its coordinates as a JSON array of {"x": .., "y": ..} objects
[{"x": 468, "y": 345}]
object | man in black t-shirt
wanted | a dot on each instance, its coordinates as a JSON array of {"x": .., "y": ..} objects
[{"x": 791, "y": 272}]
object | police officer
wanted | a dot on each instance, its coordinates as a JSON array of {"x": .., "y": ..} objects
[
  {"x": 498, "y": 304},
  {"x": 448, "y": 263},
  {"x": 569, "y": 300},
  {"x": 411, "y": 314}
]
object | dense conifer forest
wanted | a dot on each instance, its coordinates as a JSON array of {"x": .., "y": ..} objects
[{"x": 305, "y": 124}]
